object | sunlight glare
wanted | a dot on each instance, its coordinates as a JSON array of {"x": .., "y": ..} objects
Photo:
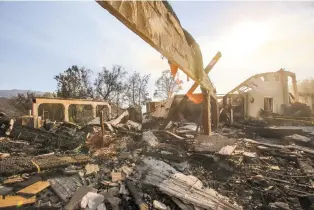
[{"x": 246, "y": 37}]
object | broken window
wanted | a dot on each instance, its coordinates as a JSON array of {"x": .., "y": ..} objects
[{"x": 268, "y": 104}]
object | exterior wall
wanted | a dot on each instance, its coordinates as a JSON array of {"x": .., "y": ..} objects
[
  {"x": 271, "y": 88},
  {"x": 161, "y": 109},
  {"x": 66, "y": 103}
]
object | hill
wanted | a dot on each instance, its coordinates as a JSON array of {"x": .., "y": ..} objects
[
  {"x": 14, "y": 92},
  {"x": 10, "y": 108}
]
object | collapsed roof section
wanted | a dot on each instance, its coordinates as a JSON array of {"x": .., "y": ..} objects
[
  {"x": 254, "y": 81},
  {"x": 157, "y": 24}
]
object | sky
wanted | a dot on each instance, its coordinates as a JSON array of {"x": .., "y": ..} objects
[{"x": 41, "y": 39}]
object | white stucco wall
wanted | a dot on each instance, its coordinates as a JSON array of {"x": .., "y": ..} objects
[{"x": 271, "y": 88}]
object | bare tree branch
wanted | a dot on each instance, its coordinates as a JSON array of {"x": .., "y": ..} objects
[
  {"x": 136, "y": 91},
  {"x": 110, "y": 83},
  {"x": 166, "y": 86},
  {"x": 74, "y": 83}
]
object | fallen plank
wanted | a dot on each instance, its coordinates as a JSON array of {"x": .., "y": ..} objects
[
  {"x": 65, "y": 187},
  {"x": 16, "y": 201},
  {"x": 119, "y": 119},
  {"x": 305, "y": 166},
  {"x": 34, "y": 188},
  {"x": 27, "y": 182},
  {"x": 183, "y": 188},
  {"x": 16, "y": 165},
  {"x": 278, "y": 153},
  {"x": 12, "y": 180},
  {"x": 270, "y": 132},
  {"x": 304, "y": 149},
  {"x": 135, "y": 125},
  {"x": 169, "y": 133},
  {"x": 189, "y": 189},
  {"x": 109, "y": 126},
  {"x": 300, "y": 138}
]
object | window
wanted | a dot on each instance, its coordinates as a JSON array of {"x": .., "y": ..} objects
[
  {"x": 276, "y": 77},
  {"x": 268, "y": 104},
  {"x": 254, "y": 85}
]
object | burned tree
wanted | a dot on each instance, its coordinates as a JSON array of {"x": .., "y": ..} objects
[
  {"x": 24, "y": 101},
  {"x": 110, "y": 84},
  {"x": 136, "y": 89},
  {"x": 166, "y": 86},
  {"x": 74, "y": 83},
  {"x": 306, "y": 86}
]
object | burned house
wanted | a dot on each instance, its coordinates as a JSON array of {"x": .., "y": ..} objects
[
  {"x": 191, "y": 111},
  {"x": 260, "y": 94}
]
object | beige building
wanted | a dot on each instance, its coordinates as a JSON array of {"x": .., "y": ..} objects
[{"x": 267, "y": 91}]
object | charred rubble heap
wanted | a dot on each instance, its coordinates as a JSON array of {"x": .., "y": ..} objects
[{"x": 64, "y": 166}]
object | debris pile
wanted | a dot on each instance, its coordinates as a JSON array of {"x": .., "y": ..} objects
[{"x": 121, "y": 166}]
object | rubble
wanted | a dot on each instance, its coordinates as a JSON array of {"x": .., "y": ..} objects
[
  {"x": 215, "y": 142},
  {"x": 65, "y": 187},
  {"x": 299, "y": 139},
  {"x": 227, "y": 150},
  {"x": 16, "y": 164},
  {"x": 16, "y": 201},
  {"x": 78, "y": 196},
  {"x": 34, "y": 188},
  {"x": 91, "y": 168},
  {"x": 150, "y": 139},
  {"x": 130, "y": 168},
  {"x": 117, "y": 176},
  {"x": 93, "y": 201},
  {"x": 187, "y": 188}
]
